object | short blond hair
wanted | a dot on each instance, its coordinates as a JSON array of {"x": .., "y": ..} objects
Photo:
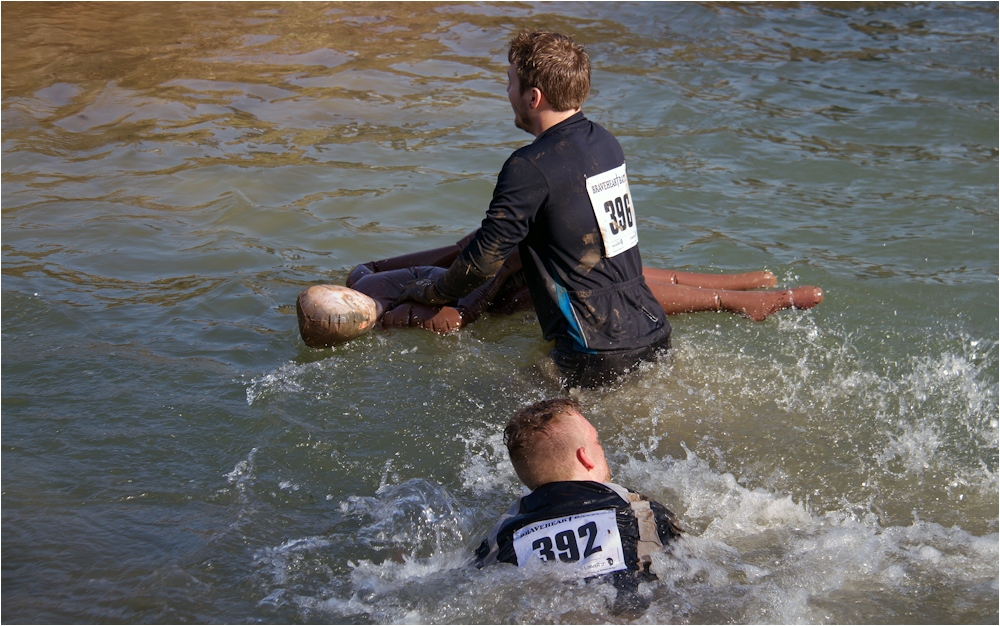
[{"x": 542, "y": 443}]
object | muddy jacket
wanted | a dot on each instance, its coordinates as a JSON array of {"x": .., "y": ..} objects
[
  {"x": 564, "y": 201},
  {"x": 604, "y": 527}
]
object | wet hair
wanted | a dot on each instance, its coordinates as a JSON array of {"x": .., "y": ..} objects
[
  {"x": 540, "y": 450},
  {"x": 554, "y": 64}
]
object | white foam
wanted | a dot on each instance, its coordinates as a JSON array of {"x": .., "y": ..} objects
[
  {"x": 749, "y": 555},
  {"x": 284, "y": 380},
  {"x": 241, "y": 477},
  {"x": 486, "y": 467},
  {"x": 819, "y": 419}
]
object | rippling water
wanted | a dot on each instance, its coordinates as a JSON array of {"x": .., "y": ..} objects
[{"x": 173, "y": 175}]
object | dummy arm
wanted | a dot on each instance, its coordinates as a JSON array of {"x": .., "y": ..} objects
[{"x": 448, "y": 319}]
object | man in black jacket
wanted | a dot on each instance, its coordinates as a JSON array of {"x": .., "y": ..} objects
[
  {"x": 564, "y": 201},
  {"x": 574, "y": 513}
]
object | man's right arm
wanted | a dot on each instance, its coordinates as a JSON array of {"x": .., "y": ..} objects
[
  {"x": 488, "y": 550},
  {"x": 521, "y": 189}
]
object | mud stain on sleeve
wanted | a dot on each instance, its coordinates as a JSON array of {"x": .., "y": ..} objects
[{"x": 590, "y": 258}]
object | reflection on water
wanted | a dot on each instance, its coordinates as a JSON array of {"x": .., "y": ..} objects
[{"x": 174, "y": 173}]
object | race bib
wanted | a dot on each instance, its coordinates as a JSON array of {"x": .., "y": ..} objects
[
  {"x": 591, "y": 539},
  {"x": 612, "y": 204}
]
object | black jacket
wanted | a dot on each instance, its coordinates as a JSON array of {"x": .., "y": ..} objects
[
  {"x": 586, "y": 299},
  {"x": 569, "y": 509}
]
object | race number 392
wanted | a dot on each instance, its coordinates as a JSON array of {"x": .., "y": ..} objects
[
  {"x": 590, "y": 539},
  {"x": 612, "y": 204}
]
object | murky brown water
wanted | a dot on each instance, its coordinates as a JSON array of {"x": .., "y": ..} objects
[{"x": 173, "y": 174}]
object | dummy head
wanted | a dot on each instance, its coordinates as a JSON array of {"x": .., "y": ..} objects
[
  {"x": 551, "y": 441},
  {"x": 329, "y": 314}
]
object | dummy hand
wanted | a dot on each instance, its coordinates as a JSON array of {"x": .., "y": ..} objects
[
  {"x": 409, "y": 314},
  {"x": 446, "y": 320},
  {"x": 421, "y": 291}
]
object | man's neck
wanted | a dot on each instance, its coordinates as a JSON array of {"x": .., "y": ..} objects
[
  {"x": 548, "y": 118},
  {"x": 554, "y": 483}
]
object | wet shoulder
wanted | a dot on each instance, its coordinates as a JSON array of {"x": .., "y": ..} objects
[
  {"x": 572, "y": 495},
  {"x": 577, "y": 144}
]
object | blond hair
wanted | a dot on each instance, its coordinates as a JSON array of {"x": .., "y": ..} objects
[{"x": 542, "y": 442}]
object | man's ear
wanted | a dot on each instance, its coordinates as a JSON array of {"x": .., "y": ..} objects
[
  {"x": 536, "y": 98},
  {"x": 584, "y": 458}
]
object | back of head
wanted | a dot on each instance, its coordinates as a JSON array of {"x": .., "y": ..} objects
[
  {"x": 542, "y": 440},
  {"x": 555, "y": 65},
  {"x": 330, "y": 314}
]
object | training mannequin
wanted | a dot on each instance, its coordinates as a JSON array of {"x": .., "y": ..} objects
[{"x": 330, "y": 314}]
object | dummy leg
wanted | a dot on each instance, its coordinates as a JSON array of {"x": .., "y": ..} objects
[
  {"x": 756, "y": 305},
  {"x": 438, "y": 257},
  {"x": 738, "y": 282}
]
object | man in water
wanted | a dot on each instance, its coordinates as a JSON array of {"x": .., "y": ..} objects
[
  {"x": 564, "y": 201},
  {"x": 329, "y": 314},
  {"x": 574, "y": 513}
]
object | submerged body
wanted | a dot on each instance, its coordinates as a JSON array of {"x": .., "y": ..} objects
[
  {"x": 574, "y": 513},
  {"x": 606, "y": 530}
]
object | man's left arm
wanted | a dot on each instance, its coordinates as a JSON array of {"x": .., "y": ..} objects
[{"x": 667, "y": 526}]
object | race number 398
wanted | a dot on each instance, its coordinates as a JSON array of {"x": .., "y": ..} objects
[
  {"x": 611, "y": 201},
  {"x": 590, "y": 539}
]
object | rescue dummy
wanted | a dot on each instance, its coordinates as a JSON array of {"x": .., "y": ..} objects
[{"x": 330, "y": 314}]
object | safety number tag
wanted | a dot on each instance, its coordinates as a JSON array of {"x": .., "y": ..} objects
[
  {"x": 591, "y": 539},
  {"x": 612, "y": 203}
]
